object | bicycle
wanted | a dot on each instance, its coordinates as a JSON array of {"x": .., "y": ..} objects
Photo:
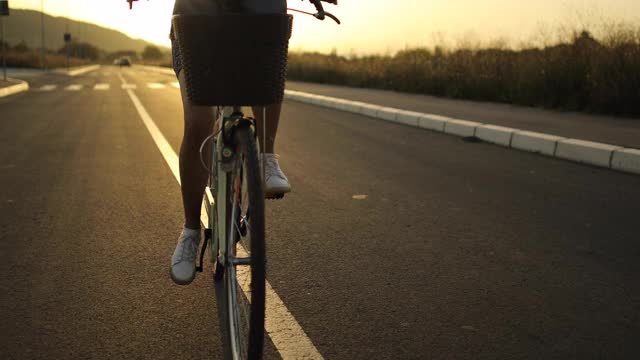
[{"x": 234, "y": 199}]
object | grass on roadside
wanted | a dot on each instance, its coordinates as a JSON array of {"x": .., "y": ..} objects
[{"x": 581, "y": 73}]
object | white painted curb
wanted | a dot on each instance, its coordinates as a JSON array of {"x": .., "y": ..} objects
[
  {"x": 626, "y": 160},
  {"x": 495, "y": 134},
  {"x": 156, "y": 69},
  {"x": 588, "y": 152},
  {"x": 14, "y": 89},
  {"x": 536, "y": 142},
  {"x": 77, "y": 70},
  {"x": 433, "y": 122},
  {"x": 83, "y": 70},
  {"x": 461, "y": 128}
]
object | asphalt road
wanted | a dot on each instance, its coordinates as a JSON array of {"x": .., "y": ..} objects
[{"x": 459, "y": 251}]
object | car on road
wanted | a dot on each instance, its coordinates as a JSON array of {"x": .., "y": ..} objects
[{"x": 122, "y": 61}]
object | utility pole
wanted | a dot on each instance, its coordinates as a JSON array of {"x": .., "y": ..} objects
[
  {"x": 43, "y": 55},
  {"x": 4, "y": 11}
]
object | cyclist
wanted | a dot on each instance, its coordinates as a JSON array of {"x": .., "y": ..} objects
[{"x": 198, "y": 123}]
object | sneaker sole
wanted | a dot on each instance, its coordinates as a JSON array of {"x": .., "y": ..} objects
[
  {"x": 274, "y": 196},
  {"x": 181, "y": 282}
]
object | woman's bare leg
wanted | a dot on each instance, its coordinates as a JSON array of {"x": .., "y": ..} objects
[
  {"x": 198, "y": 124},
  {"x": 273, "y": 118}
]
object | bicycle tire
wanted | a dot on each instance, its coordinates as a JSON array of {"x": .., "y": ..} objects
[{"x": 246, "y": 194}]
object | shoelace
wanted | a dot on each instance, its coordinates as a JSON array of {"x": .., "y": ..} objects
[
  {"x": 190, "y": 250},
  {"x": 272, "y": 168}
]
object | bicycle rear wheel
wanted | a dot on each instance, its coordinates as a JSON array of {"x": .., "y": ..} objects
[{"x": 245, "y": 270}]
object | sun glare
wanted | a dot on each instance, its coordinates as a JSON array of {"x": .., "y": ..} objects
[{"x": 367, "y": 26}]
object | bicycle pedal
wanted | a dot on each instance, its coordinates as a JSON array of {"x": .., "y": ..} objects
[{"x": 274, "y": 197}]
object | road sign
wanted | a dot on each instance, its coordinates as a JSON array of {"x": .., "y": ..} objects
[
  {"x": 67, "y": 37},
  {"x": 4, "y": 7}
]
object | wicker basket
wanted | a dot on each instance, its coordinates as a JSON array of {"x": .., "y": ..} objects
[{"x": 234, "y": 59}]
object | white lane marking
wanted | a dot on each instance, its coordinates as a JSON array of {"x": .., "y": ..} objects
[
  {"x": 155, "y": 86},
  {"x": 286, "y": 334},
  {"x": 176, "y": 85},
  {"x": 129, "y": 86},
  {"x": 74, "y": 87},
  {"x": 48, "y": 88},
  {"x": 163, "y": 145},
  {"x": 102, "y": 87}
]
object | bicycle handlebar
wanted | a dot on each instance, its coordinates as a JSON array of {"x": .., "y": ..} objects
[{"x": 320, "y": 15}]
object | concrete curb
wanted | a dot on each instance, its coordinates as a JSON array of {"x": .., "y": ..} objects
[
  {"x": 83, "y": 70},
  {"x": 156, "y": 69},
  {"x": 14, "y": 89},
  {"x": 582, "y": 151},
  {"x": 78, "y": 70}
]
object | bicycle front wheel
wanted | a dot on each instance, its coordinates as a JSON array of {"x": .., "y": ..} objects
[{"x": 245, "y": 272}]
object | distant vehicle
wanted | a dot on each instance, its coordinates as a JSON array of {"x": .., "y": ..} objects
[{"x": 122, "y": 61}]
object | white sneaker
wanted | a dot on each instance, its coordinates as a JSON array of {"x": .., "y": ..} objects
[
  {"x": 276, "y": 183},
  {"x": 183, "y": 261}
]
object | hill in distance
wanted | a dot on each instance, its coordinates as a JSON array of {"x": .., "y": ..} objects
[{"x": 24, "y": 25}]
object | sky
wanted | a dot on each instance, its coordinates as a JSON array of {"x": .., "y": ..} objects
[{"x": 376, "y": 26}]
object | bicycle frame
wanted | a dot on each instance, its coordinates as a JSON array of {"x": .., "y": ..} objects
[{"x": 221, "y": 166}]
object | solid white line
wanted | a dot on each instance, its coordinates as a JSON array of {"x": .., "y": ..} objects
[
  {"x": 286, "y": 334},
  {"x": 129, "y": 86},
  {"x": 176, "y": 85},
  {"x": 163, "y": 145},
  {"x": 155, "y": 86},
  {"x": 74, "y": 87},
  {"x": 102, "y": 87}
]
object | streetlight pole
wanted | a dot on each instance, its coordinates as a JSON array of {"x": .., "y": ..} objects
[
  {"x": 43, "y": 55},
  {"x": 4, "y": 56}
]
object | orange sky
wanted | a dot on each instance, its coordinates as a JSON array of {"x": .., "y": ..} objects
[{"x": 374, "y": 26}]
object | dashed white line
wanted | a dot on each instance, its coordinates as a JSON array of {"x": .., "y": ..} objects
[
  {"x": 74, "y": 87},
  {"x": 47, "y": 88},
  {"x": 129, "y": 86},
  {"x": 102, "y": 87},
  {"x": 156, "y": 86},
  {"x": 286, "y": 334}
]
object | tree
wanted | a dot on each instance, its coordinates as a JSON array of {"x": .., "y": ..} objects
[
  {"x": 151, "y": 52},
  {"x": 21, "y": 47},
  {"x": 81, "y": 50}
]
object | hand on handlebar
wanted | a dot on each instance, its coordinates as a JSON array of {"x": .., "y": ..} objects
[
  {"x": 320, "y": 14},
  {"x": 131, "y": 3}
]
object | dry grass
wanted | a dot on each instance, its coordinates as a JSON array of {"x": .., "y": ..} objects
[
  {"x": 31, "y": 59},
  {"x": 577, "y": 73}
]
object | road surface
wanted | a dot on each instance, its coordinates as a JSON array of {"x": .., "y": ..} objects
[{"x": 396, "y": 243}]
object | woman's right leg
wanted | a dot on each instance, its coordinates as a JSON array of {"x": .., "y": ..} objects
[{"x": 198, "y": 124}]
